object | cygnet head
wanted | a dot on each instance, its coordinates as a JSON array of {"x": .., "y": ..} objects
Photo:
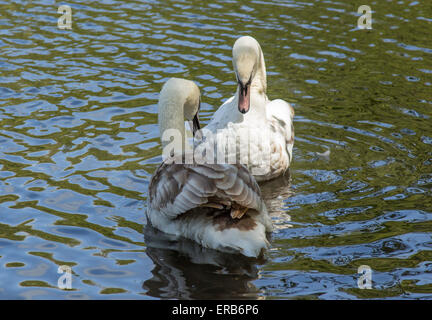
[
  {"x": 179, "y": 99},
  {"x": 246, "y": 60}
]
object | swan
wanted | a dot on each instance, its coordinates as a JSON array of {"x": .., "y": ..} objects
[
  {"x": 217, "y": 205},
  {"x": 264, "y": 128}
]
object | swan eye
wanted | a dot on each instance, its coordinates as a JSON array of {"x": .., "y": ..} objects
[
  {"x": 250, "y": 81},
  {"x": 244, "y": 87}
]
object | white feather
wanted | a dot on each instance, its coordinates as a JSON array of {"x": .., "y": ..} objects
[{"x": 268, "y": 123}]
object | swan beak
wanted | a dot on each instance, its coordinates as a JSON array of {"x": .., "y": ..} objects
[
  {"x": 195, "y": 126},
  {"x": 244, "y": 97}
]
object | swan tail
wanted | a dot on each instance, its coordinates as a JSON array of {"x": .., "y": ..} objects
[{"x": 216, "y": 229}]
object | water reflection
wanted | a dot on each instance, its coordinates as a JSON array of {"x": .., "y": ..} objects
[
  {"x": 185, "y": 270},
  {"x": 275, "y": 192}
]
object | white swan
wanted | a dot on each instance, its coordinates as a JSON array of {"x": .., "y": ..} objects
[
  {"x": 216, "y": 205},
  {"x": 269, "y": 124}
]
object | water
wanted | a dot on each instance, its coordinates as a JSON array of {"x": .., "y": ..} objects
[{"x": 79, "y": 142}]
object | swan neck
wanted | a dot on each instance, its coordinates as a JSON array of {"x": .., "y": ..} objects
[
  {"x": 259, "y": 82},
  {"x": 171, "y": 122}
]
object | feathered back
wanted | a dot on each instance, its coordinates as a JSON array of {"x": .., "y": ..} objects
[
  {"x": 176, "y": 188},
  {"x": 193, "y": 201}
]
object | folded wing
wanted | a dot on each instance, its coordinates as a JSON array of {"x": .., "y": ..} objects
[{"x": 177, "y": 188}]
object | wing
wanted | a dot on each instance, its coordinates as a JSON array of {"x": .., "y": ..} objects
[
  {"x": 177, "y": 188},
  {"x": 221, "y": 116},
  {"x": 281, "y": 116}
]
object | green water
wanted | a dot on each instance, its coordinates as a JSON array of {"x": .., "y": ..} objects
[{"x": 79, "y": 142}]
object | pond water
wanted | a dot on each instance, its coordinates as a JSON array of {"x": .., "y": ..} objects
[{"x": 79, "y": 142}]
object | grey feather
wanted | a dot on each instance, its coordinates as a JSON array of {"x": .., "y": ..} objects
[{"x": 178, "y": 188}]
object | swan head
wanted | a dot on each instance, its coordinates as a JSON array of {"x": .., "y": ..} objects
[
  {"x": 179, "y": 97},
  {"x": 192, "y": 105},
  {"x": 246, "y": 61}
]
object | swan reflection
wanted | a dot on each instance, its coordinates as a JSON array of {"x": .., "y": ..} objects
[
  {"x": 274, "y": 193},
  {"x": 185, "y": 270}
]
